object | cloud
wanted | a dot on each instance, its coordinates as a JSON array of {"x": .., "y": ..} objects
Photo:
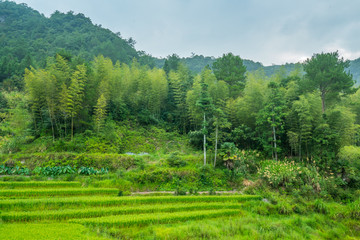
[{"x": 276, "y": 31}]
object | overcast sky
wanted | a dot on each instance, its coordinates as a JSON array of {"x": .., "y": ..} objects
[{"x": 268, "y": 31}]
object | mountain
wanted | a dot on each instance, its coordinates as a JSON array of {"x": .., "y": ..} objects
[
  {"x": 28, "y": 38},
  {"x": 197, "y": 62}
]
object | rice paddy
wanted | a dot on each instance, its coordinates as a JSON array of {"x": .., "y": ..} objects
[{"x": 44, "y": 210}]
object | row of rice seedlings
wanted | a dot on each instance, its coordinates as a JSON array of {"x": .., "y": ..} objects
[
  {"x": 99, "y": 212},
  {"x": 57, "y": 192},
  {"x": 57, "y": 203},
  {"x": 154, "y": 218},
  {"x": 39, "y": 184}
]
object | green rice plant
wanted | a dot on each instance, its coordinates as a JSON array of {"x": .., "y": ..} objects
[
  {"x": 59, "y": 215},
  {"x": 56, "y": 203},
  {"x": 57, "y": 192},
  {"x": 46, "y": 231},
  {"x": 154, "y": 218},
  {"x": 39, "y": 184}
]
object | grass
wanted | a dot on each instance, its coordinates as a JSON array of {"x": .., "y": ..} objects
[
  {"x": 39, "y": 184},
  {"x": 58, "y": 215},
  {"x": 154, "y": 218},
  {"x": 79, "y": 216},
  {"x": 246, "y": 226},
  {"x": 51, "y": 203},
  {"x": 46, "y": 192},
  {"x": 53, "y": 231}
]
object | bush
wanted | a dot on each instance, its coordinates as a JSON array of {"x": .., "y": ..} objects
[
  {"x": 174, "y": 160},
  {"x": 353, "y": 210},
  {"x": 16, "y": 170},
  {"x": 349, "y": 156},
  {"x": 290, "y": 175},
  {"x": 320, "y": 207},
  {"x": 180, "y": 191},
  {"x": 75, "y": 160},
  {"x": 243, "y": 162}
]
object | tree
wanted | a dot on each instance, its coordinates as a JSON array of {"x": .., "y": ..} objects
[
  {"x": 326, "y": 73},
  {"x": 231, "y": 69},
  {"x": 100, "y": 112},
  {"x": 75, "y": 94},
  {"x": 205, "y": 104},
  {"x": 270, "y": 121},
  {"x": 179, "y": 84},
  {"x": 171, "y": 63}
]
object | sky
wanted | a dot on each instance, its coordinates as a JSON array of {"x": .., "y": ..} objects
[{"x": 266, "y": 31}]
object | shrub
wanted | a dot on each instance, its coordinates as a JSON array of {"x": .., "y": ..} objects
[
  {"x": 5, "y": 170},
  {"x": 289, "y": 175},
  {"x": 180, "y": 191},
  {"x": 353, "y": 210},
  {"x": 75, "y": 160},
  {"x": 320, "y": 207},
  {"x": 242, "y": 162},
  {"x": 174, "y": 160}
]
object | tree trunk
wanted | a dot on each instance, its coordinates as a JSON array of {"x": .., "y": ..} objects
[
  {"x": 65, "y": 126},
  {"x": 72, "y": 127},
  {"x": 300, "y": 149},
  {"x": 216, "y": 141},
  {"x": 52, "y": 124},
  {"x": 204, "y": 140},
  {"x": 274, "y": 136},
  {"x": 323, "y": 101}
]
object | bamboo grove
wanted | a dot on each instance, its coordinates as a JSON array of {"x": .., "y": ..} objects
[{"x": 311, "y": 112}]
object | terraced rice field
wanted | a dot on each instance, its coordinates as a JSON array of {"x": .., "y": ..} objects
[{"x": 64, "y": 210}]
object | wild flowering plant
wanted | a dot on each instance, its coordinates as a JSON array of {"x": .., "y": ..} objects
[{"x": 288, "y": 174}]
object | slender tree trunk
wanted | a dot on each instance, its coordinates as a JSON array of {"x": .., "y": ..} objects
[
  {"x": 300, "y": 148},
  {"x": 65, "y": 126},
  {"x": 216, "y": 141},
  {"x": 204, "y": 140},
  {"x": 274, "y": 136},
  {"x": 72, "y": 127},
  {"x": 323, "y": 101},
  {"x": 52, "y": 124}
]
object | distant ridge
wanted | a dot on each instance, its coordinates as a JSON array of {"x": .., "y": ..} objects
[{"x": 28, "y": 38}]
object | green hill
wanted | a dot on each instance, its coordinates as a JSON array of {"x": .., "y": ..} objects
[{"x": 28, "y": 37}]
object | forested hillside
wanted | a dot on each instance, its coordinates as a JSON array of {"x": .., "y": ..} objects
[
  {"x": 196, "y": 63},
  {"x": 87, "y": 114},
  {"x": 28, "y": 38}
]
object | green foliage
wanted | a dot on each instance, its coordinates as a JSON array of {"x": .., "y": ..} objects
[
  {"x": 73, "y": 202},
  {"x": 25, "y": 45},
  {"x": 56, "y": 192},
  {"x": 289, "y": 175},
  {"x": 60, "y": 161},
  {"x": 92, "y": 171},
  {"x": 243, "y": 162},
  {"x": 4, "y": 170},
  {"x": 38, "y": 184},
  {"x": 146, "y": 219},
  {"x": 320, "y": 207},
  {"x": 45, "y": 231},
  {"x": 174, "y": 160},
  {"x": 231, "y": 69},
  {"x": 353, "y": 210},
  {"x": 118, "y": 210},
  {"x": 326, "y": 72}
]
